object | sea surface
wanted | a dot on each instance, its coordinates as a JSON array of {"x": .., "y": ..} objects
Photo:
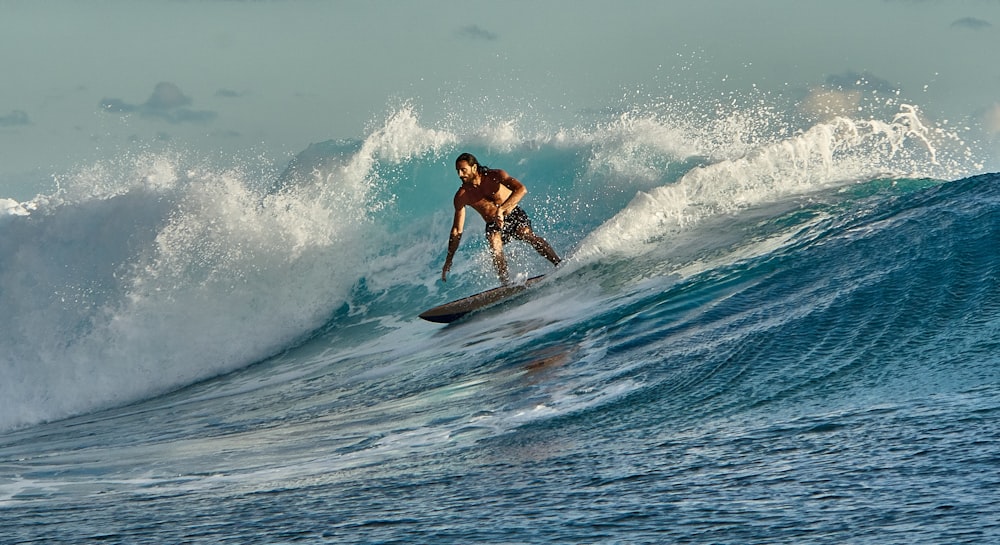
[{"x": 768, "y": 328}]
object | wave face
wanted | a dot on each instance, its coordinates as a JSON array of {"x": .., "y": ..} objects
[{"x": 758, "y": 334}]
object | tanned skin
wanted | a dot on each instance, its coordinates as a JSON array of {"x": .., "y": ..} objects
[{"x": 494, "y": 194}]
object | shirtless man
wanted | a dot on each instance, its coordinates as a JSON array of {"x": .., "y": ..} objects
[{"x": 494, "y": 194}]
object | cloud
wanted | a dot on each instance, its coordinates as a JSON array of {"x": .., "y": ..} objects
[
  {"x": 971, "y": 23},
  {"x": 166, "y": 96},
  {"x": 167, "y": 103},
  {"x": 14, "y": 118},
  {"x": 228, "y": 93},
  {"x": 476, "y": 32}
]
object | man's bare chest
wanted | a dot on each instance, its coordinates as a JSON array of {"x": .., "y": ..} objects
[{"x": 485, "y": 195}]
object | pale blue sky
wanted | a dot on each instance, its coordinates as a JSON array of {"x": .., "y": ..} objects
[{"x": 78, "y": 77}]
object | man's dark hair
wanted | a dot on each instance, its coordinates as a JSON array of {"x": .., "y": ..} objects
[{"x": 473, "y": 162}]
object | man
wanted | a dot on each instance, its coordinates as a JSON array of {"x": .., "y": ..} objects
[{"x": 494, "y": 194}]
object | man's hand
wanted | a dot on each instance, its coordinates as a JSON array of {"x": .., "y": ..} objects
[{"x": 453, "y": 240}]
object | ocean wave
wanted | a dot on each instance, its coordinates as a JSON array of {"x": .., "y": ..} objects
[{"x": 149, "y": 272}]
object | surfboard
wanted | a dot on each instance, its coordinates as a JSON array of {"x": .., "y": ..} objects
[{"x": 449, "y": 312}]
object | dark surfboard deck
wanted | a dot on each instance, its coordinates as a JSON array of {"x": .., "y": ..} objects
[{"x": 449, "y": 312}]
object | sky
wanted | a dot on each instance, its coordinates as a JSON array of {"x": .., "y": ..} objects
[{"x": 84, "y": 79}]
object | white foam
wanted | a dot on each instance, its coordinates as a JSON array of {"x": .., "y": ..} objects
[
  {"x": 164, "y": 275},
  {"x": 10, "y": 207},
  {"x": 840, "y": 152}
]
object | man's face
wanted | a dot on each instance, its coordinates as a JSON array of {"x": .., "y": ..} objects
[{"x": 466, "y": 172}]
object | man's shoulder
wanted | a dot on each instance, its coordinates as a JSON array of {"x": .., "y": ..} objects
[
  {"x": 497, "y": 174},
  {"x": 461, "y": 196}
]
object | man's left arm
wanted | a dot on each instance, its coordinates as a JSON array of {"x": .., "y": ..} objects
[{"x": 517, "y": 192}]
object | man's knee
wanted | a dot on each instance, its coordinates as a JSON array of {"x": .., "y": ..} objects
[{"x": 525, "y": 233}]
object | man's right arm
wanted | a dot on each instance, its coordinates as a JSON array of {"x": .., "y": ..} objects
[{"x": 454, "y": 238}]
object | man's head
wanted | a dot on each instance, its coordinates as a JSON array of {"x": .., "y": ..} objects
[
  {"x": 467, "y": 167},
  {"x": 468, "y": 158}
]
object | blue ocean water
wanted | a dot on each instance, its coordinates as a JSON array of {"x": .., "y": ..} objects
[{"x": 765, "y": 331}]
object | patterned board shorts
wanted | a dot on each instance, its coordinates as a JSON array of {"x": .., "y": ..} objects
[{"x": 511, "y": 224}]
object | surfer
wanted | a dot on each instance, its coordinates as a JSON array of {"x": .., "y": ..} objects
[{"x": 494, "y": 194}]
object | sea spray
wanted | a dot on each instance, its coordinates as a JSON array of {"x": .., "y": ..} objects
[
  {"x": 831, "y": 154},
  {"x": 164, "y": 275}
]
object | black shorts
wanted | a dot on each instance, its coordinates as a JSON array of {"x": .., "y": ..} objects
[{"x": 512, "y": 223}]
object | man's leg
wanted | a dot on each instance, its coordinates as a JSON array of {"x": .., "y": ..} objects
[
  {"x": 499, "y": 262},
  {"x": 539, "y": 244}
]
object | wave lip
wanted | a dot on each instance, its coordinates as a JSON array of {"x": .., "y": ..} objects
[
  {"x": 833, "y": 154},
  {"x": 161, "y": 276}
]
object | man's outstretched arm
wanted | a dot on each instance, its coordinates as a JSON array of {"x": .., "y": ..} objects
[{"x": 454, "y": 239}]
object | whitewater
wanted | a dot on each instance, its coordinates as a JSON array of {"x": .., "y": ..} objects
[{"x": 765, "y": 330}]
